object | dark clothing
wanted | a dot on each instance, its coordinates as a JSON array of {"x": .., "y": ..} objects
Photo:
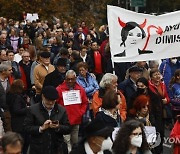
[
  {"x": 73, "y": 65},
  {"x": 108, "y": 121},
  {"x": 120, "y": 70},
  {"x": 4, "y": 110},
  {"x": 16, "y": 70},
  {"x": 81, "y": 150},
  {"x": 27, "y": 71},
  {"x": 55, "y": 49},
  {"x": 91, "y": 61},
  {"x": 18, "y": 110},
  {"x": 128, "y": 88},
  {"x": 5, "y": 46},
  {"x": 50, "y": 141},
  {"x": 3, "y": 104},
  {"x": 156, "y": 117},
  {"x": 54, "y": 79}
]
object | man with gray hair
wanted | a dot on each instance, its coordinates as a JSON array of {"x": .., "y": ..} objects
[
  {"x": 4, "y": 44},
  {"x": 73, "y": 97},
  {"x": 5, "y": 73},
  {"x": 12, "y": 143}
]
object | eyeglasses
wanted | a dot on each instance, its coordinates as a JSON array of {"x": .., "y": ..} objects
[
  {"x": 146, "y": 106},
  {"x": 70, "y": 79},
  {"x": 136, "y": 134}
]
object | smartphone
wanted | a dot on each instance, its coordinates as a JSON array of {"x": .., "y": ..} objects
[{"x": 55, "y": 122}]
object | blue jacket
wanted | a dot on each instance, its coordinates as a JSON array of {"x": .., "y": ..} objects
[
  {"x": 167, "y": 70},
  {"x": 89, "y": 84},
  {"x": 175, "y": 97},
  {"x": 127, "y": 87}
]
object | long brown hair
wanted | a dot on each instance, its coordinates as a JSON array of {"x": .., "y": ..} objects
[
  {"x": 174, "y": 78},
  {"x": 17, "y": 87}
]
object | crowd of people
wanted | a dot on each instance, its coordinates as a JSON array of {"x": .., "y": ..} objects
[{"x": 58, "y": 90}]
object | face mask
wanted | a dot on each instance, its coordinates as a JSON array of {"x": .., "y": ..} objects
[
  {"x": 107, "y": 144},
  {"x": 173, "y": 61},
  {"x": 137, "y": 141},
  {"x": 141, "y": 90}
]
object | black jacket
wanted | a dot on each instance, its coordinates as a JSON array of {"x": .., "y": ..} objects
[
  {"x": 54, "y": 79},
  {"x": 108, "y": 121},
  {"x": 128, "y": 89},
  {"x": 18, "y": 110},
  {"x": 50, "y": 140}
]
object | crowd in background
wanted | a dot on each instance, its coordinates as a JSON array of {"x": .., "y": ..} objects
[{"x": 37, "y": 57}]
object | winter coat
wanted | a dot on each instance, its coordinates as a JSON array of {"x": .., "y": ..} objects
[
  {"x": 175, "y": 97},
  {"x": 89, "y": 84},
  {"x": 175, "y": 134},
  {"x": 167, "y": 70},
  {"x": 108, "y": 120},
  {"x": 74, "y": 111},
  {"x": 50, "y": 140},
  {"x": 18, "y": 109},
  {"x": 127, "y": 87},
  {"x": 97, "y": 103}
]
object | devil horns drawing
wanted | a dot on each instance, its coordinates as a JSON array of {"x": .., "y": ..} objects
[{"x": 132, "y": 31}]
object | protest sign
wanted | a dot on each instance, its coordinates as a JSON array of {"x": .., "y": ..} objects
[{"x": 137, "y": 37}]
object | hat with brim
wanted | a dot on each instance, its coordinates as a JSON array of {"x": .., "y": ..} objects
[
  {"x": 135, "y": 69},
  {"x": 45, "y": 54},
  {"x": 98, "y": 128},
  {"x": 62, "y": 62},
  {"x": 50, "y": 93}
]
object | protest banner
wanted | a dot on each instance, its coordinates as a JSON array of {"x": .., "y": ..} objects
[
  {"x": 140, "y": 37},
  {"x": 32, "y": 17}
]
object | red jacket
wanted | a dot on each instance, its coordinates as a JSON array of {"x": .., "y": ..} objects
[
  {"x": 153, "y": 88},
  {"x": 175, "y": 134},
  {"x": 74, "y": 111}
]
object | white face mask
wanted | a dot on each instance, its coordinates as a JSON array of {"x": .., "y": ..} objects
[
  {"x": 173, "y": 61},
  {"x": 107, "y": 144},
  {"x": 136, "y": 141}
]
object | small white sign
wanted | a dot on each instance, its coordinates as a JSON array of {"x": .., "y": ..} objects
[
  {"x": 32, "y": 17},
  {"x": 71, "y": 97},
  {"x": 151, "y": 135}
]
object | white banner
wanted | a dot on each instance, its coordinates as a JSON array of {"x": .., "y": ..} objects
[
  {"x": 137, "y": 37},
  {"x": 32, "y": 17}
]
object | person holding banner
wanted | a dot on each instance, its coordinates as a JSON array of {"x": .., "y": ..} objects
[{"x": 73, "y": 97}]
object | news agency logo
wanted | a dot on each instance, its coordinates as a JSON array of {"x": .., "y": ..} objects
[{"x": 156, "y": 140}]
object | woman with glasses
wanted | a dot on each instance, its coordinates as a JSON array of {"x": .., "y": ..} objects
[
  {"x": 140, "y": 110},
  {"x": 131, "y": 139}
]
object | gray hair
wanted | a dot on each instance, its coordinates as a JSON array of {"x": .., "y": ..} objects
[
  {"x": 153, "y": 64},
  {"x": 71, "y": 72},
  {"x": 107, "y": 80},
  {"x": 4, "y": 66}
]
